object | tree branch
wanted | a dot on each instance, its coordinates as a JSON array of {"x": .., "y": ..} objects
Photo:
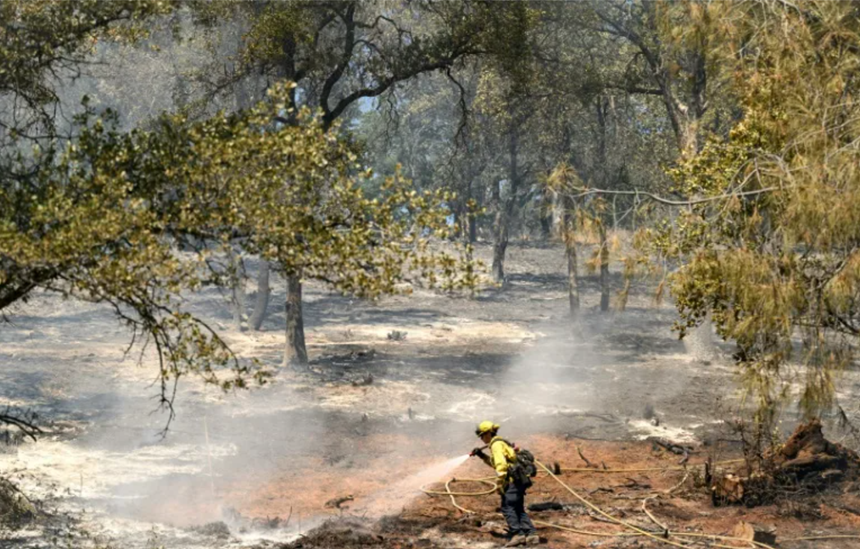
[
  {"x": 348, "y": 46},
  {"x": 669, "y": 202}
]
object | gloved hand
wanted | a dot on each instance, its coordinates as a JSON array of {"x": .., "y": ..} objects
[{"x": 477, "y": 452}]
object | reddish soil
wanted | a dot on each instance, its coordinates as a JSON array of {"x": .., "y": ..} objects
[
  {"x": 316, "y": 481},
  {"x": 687, "y": 509}
]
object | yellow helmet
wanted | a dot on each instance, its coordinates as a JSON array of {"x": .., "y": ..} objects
[{"x": 486, "y": 427}]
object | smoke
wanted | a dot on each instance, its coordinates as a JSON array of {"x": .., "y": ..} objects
[
  {"x": 594, "y": 376},
  {"x": 285, "y": 454}
]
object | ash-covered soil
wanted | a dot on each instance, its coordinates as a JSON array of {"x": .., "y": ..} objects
[{"x": 353, "y": 437}]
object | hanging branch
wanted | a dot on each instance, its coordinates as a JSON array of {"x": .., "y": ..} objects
[{"x": 25, "y": 423}]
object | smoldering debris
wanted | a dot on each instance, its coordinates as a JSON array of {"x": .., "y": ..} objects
[
  {"x": 218, "y": 529},
  {"x": 340, "y": 533},
  {"x": 243, "y": 524},
  {"x": 806, "y": 463},
  {"x": 390, "y": 532}
]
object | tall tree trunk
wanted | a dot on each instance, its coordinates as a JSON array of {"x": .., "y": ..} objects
[
  {"x": 238, "y": 300},
  {"x": 237, "y": 288},
  {"x": 500, "y": 245},
  {"x": 603, "y": 178},
  {"x": 685, "y": 118},
  {"x": 295, "y": 352},
  {"x": 688, "y": 139},
  {"x": 498, "y": 270},
  {"x": 261, "y": 304},
  {"x": 570, "y": 251},
  {"x": 243, "y": 94},
  {"x": 545, "y": 225},
  {"x": 471, "y": 222},
  {"x": 473, "y": 229},
  {"x": 505, "y": 209},
  {"x": 546, "y": 209},
  {"x": 604, "y": 268}
]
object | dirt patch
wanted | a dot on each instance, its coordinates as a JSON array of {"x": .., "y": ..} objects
[{"x": 676, "y": 497}]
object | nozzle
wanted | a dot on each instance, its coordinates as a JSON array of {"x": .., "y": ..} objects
[{"x": 478, "y": 450}]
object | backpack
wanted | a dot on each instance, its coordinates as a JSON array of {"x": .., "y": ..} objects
[{"x": 524, "y": 469}]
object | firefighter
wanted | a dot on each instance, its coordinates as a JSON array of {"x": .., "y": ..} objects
[{"x": 501, "y": 458}]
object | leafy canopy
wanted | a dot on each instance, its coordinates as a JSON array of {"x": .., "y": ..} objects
[{"x": 779, "y": 256}]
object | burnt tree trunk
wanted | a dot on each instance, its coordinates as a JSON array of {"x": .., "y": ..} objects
[
  {"x": 497, "y": 268},
  {"x": 500, "y": 245},
  {"x": 570, "y": 252},
  {"x": 604, "y": 268},
  {"x": 473, "y": 229},
  {"x": 261, "y": 303},
  {"x": 505, "y": 209},
  {"x": 602, "y": 105},
  {"x": 295, "y": 352},
  {"x": 546, "y": 215},
  {"x": 545, "y": 226}
]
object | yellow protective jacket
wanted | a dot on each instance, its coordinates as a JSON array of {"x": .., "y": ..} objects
[{"x": 502, "y": 455}]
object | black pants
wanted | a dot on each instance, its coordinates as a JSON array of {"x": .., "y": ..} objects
[{"x": 514, "y": 509}]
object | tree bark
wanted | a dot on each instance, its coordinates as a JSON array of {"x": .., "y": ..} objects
[
  {"x": 505, "y": 209},
  {"x": 237, "y": 298},
  {"x": 546, "y": 215},
  {"x": 604, "y": 268},
  {"x": 498, "y": 268},
  {"x": 261, "y": 304},
  {"x": 570, "y": 251},
  {"x": 295, "y": 352},
  {"x": 545, "y": 226},
  {"x": 237, "y": 289},
  {"x": 469, "y": 215},
  {"x": 603, "y": 178},
  {"x": 473, "y": 229},
  {"x": 500, "y": 246}
]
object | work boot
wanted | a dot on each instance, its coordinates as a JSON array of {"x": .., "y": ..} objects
[
  {"x": 532, "y": 539},
  {"x": 516, "y": 541}
]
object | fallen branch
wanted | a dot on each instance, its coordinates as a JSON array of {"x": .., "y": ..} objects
[
  {"x": 633, "y": 483},
  {"x": 677, "y": 449},
  {"x": 26, "y": 425},
  {"x": 608, "y": 418},
  {"x": 585, "y": 459}
]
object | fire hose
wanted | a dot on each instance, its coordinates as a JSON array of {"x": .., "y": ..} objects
[{"x": 635, "y": 530}]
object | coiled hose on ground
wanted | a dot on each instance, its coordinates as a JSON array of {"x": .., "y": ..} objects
[{"x": 665, "y": 537}]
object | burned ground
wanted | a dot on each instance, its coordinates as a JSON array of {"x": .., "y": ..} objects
[{"x": 372, "y": 413}]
